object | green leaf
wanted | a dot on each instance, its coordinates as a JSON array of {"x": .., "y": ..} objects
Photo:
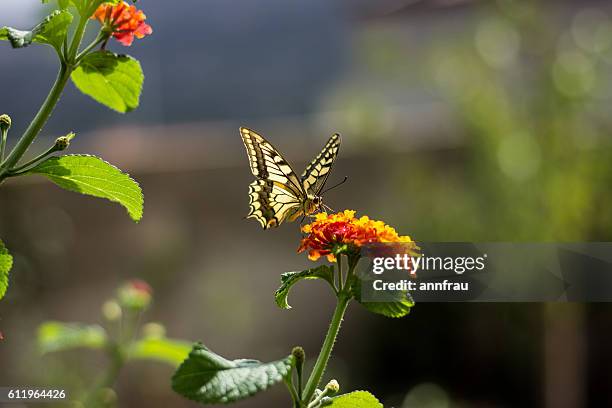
[
  {"x": 112, "y": 80},
  {"x": 396, "y": 304},
  {"x": 93, "y": 176},
  {"x": 62, "y": 4},
  {"x": 6, "y": 263},
  {"x": 356, "y": 399},
  {"x": 161, "y": 349},
  {"x": 52, "y": 31},
  {"x": 208, "y": 378},
  {"x": 57, "y": 336},
  {"x": 288, "y": 279}
]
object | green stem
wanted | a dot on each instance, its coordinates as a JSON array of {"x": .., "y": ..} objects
[
  {"x": 39, "y": 121},
  {"x": 340, "y": 273},
  {"x": 18, "y": 170},
  {"x": 3, "y": 144},
  {"x": 300, "y": 384},
  {"x": 326, "y": 349},
  {"x": 49, "y": 104},
  {"x": 100, "y": 38},
  {"x": 294, "y": 395},
  {"x": 78, "y": 37},
  {"x": 110, "y": 376}
]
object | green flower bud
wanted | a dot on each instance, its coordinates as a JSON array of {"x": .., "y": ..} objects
[
  {"x": 62, "y": 143},
  {"x": 135, "y": 294},
  {"x": 108, "y": 396},
  {"x": 5, "y": 122},
  {"x": 111, "y": 310},
  {"x": 153, "y": 331},
  {"x": 325, "y": 401},
  {"x": 299, "y": 355}
]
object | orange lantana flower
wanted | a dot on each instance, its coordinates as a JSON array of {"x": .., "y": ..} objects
[
  {"x": 331, "y": 235},
  {"x": 122, "y": 21}
]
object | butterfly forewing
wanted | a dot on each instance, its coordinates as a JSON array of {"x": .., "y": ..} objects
[
  {"x": 317, "y": 172},
  {"x": 268, "y": 164}
]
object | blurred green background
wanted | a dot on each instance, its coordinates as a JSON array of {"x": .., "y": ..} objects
[{"x": 461, "y": 120}]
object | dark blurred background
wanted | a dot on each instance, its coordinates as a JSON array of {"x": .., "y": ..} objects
[{"x": 461, "y": 120}]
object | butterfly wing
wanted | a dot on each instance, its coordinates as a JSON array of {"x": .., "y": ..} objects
[
  {"x": 316, "y": 173},
  {"x": 268, "y": 164},
  {"x": 277, "y": 194},
  {"x": 271, "y": 204}
]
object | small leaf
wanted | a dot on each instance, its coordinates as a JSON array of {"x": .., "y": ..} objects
[
  {"x": 52, "y": 31},
  {"x": 62, "y": 4},
  {"x": 93, "y": 176},
  {"x": 208, "y": 378},
  {"x": 356, "y": 399},
  {"x": 112, "y": 80},
  {"x": 396, "y": 304},
  {"x": 80, "y": 5},
  {"x": 161, "y": 349},
  {"x": 6, "y": 263},
  {"x": 57, "y": 336},
  {"x": 288, "y": 279}
]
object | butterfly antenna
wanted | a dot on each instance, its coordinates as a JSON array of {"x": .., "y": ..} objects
[{"x": 334, "y": 186}]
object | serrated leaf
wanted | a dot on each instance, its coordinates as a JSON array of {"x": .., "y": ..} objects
[
  {"x": 288, "y": 279},
  {"x": 356, "y": 399},
  {"x": 62, "y": 4},
  {"x": 395, "y": 304},
  {"x": 208, "y": 378},
  {"x": 6, "y": 263},
  {"x": 93, "y": 176},
  {"x": 57, "y": 336},
  {"x": 52, "y": 31},
  {"x": 161, "y": 349},
  {"x": 112, "y": 80},
  {"x": 81, "y": 5}
]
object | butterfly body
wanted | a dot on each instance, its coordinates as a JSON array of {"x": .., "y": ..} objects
[{"x": 278, "y": 194}]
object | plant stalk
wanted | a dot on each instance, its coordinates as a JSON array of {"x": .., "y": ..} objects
[
  {"x": 38, "y": 122},
  {"x": 117, "y": 358},
  {"x": 326, "y": 349},
  {"x": 25, "y": 167},
  {"x": 3, "y": 144},
  {"x": 48, "y": 105}
]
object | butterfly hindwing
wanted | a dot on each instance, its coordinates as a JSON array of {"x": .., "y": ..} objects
[
  {"x": 317, "y": 172},
  {"x": 271, "y": 204}
]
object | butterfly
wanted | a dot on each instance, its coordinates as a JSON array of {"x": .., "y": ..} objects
[{"x": 279, "y": 194}]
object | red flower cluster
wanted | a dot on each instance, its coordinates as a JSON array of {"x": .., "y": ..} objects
[
  {"x": 122, "y": 21},
  {"x": 331, "y": 235}
]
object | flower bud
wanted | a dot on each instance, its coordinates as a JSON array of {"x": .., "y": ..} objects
[
  {"x": 325, "y": 401},
  {"x": 135, "y": 294},
  {"x": 299, "y": 355},
  {"x": 153, "y": 331},
  {"x": 5, "y": 122},
  {"x": 108, "y": 396},
  {"x": 332, "y": 386},
  {"x": 62, "y": 143},
  {"x": 111, "y": 310}
]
